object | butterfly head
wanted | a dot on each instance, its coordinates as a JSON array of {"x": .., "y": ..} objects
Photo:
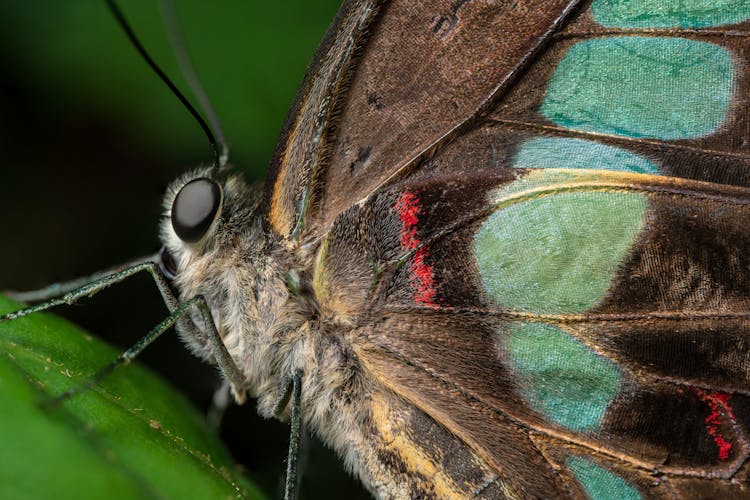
[{"x": 210, "y": 232}]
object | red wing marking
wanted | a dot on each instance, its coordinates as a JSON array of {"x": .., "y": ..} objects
[
  {"x": 718, "y": 403},
  {"x": 409, "y": 207}
]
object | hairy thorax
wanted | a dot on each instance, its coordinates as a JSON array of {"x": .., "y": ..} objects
[{"x": 266, "y": 313}]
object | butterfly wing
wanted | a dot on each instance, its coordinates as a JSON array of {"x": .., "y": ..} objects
[
  {"x": 582, "y": 330},
  {"x": 576, "y": 329},
  {"x": 390, "y": 81}
]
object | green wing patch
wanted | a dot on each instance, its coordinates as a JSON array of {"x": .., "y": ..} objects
[
  {"x": 661, "y": 14},
  {"x": 561, "y": 377},
  {"x": 549, "y": 152},
  {"x": 664, "y": 88},
  {"x": 599, "y": 483},
  {"x": 558, "y": 253}
]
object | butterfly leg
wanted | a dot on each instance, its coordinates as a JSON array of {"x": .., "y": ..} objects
[
  {"x": 56, "y": 290},
  {"x": 71, "y": 291},
  {"x": 293, "y": 395},
  {"x": 232, "y": 373},
  {"x": 130, "y": 354},
  {"x": 224, "y": 360},
  {"x": 66, "y": 293}
]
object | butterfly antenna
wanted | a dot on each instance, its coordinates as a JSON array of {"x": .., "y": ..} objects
[
  {"x": 177, "y": 40},
  {"x": 117, "y": 13}
]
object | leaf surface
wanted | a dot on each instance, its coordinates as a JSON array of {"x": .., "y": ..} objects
[{"x": 131, "y": 436}]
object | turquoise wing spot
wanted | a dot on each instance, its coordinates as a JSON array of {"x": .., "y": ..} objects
[
  {"x": 600, "y": 483},
  {"x": 663, "y": 88},
  {"x": 661, "y": 14},
  {"x": 560, "y": 377},
  {"x": 549, "y": 152},
  {"x": 558, "y": 253}
]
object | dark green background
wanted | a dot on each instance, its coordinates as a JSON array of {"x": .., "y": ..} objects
[{"x": 89, "y": 139}]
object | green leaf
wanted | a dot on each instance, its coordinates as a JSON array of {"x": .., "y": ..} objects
[{"x": 131, "y": 436}]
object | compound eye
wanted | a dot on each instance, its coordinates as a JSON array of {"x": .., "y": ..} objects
[{"x": 194, "y": 209}]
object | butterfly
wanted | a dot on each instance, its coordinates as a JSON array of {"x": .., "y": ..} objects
[{"x": 499, "y": 252}]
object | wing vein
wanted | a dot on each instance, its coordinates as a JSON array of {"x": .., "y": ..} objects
[
  {"x": 565, "y": 132},
  {"x": 653, "y": 32},
  {"x": 569, "y": 319}
]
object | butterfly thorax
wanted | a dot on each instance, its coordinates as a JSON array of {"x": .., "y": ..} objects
[{"x": 262, "y": 302}]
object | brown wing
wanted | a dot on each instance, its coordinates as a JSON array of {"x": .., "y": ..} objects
[
  {"x": 394, "y": 83},
  {"x": 625, "y": 370},
  {"x": 390, "y": 81},
  {"x": 299, "y": 150},
  {"x": 578, "y": 332}
]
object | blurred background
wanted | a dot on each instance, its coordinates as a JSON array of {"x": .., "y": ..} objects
[{"x": 89, "y": 139}]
